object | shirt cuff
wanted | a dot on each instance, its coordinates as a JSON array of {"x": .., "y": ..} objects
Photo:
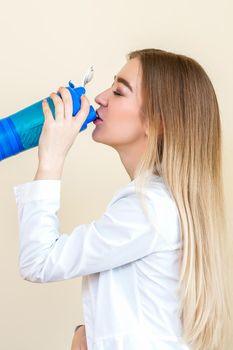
[{"x": 38, "y": 190}]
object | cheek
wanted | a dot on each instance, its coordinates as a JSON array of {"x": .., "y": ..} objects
[
  {"x": 125, "y": 127},
  {"x": 124, "y": 115},
  {"x": 122, "y": 124}
]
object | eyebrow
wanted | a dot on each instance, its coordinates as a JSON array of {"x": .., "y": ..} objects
[{"x": 125, "y": 82}]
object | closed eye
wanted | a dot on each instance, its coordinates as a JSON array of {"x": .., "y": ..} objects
[{"x": 116, "y": 93}]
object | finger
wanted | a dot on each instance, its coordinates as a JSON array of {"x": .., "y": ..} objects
[
  {"x": 59, "y": 106},
  {"x": 83, "y": 345},
  {"x": 47, "y": 111},
  {"x": 67, "y": 100},
  {"x": 82, "y": 114}
]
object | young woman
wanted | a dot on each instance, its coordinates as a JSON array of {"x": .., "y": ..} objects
[{"x": 154, "y": 264}]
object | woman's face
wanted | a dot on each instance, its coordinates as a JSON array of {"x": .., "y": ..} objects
[{"x": 120, "y": 109}]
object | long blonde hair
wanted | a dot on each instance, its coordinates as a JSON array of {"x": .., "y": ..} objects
[{"x": 179, "y": 97}]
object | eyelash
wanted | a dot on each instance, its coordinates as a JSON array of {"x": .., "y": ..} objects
[{"x": 116, "y": 93}]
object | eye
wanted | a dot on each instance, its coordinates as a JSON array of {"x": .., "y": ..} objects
[{"x": 116, "y": 93}]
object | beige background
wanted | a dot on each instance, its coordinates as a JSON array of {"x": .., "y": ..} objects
[{"x": 44, "y": 44}]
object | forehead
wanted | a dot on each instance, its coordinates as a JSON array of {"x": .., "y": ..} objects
[{"x": 131, "y": 71}]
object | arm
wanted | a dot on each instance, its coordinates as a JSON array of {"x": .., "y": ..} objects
[
  {"x": 121, "y": 235},
  {"x": 79, "y": 340}
]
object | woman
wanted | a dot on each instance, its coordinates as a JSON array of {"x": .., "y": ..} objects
[{"x": 154, "y": 264}]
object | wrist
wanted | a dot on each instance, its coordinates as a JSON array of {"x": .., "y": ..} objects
[
  {"x": 77, "y": 327},
  {"x": 46, "y": 172}
]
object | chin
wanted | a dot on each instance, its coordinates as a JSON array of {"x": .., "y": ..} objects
[
  {"x": 96, "y": 137},
  {"x": 101, "y": 140}
]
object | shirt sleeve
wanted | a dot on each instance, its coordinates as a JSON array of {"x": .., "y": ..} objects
[{"x": 120, "y": 236}]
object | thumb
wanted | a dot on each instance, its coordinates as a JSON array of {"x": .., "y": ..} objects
[{"x": 82, "y": 114}]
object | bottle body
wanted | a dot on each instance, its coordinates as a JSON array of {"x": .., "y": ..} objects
[{"x": 21, "y": 130}]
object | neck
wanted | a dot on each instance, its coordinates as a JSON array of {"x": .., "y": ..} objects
[{"x": 130, "y": 157}]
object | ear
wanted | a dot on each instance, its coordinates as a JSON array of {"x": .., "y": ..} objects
[
  {"x": 146, "y": 128},
  {"x": 160, "y": 129}
]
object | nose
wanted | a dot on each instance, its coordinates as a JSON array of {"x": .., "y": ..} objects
[{"x": 102, "y": 98}]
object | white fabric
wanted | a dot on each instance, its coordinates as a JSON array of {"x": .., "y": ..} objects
[{"x": 129, "y": 265}]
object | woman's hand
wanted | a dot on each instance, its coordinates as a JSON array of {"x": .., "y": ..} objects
[
  {"x": 58, "y": 134},
  {"x": 79, "y": 341}
]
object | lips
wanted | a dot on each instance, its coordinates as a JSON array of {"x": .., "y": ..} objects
[{"x": 98, "y": 116}]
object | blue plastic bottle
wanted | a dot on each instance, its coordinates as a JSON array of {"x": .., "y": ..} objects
[{"x": 21, "y": 131}]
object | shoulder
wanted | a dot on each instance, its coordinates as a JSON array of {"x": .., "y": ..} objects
[
  {"x": 160, "y": 197},
  {"x": 155, "y": 191},
  {"x": 156, "y": 206},
  {"x": 164, "y": 213}
]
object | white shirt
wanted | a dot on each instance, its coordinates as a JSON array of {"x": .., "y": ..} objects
[{"x": 129, "y": 264}]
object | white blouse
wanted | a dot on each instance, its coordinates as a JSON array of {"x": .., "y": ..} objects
[{"x": 128, "y": 260}]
